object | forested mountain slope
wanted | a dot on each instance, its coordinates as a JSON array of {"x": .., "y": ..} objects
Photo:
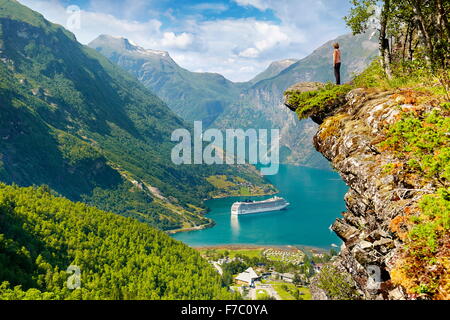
[
  {"x": 118, "y": 258},
  {"x": 74, "y": 121}
]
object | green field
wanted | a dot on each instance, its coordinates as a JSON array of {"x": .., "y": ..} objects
[
  {"x": 284, "y": 294},
  {"x": 262, "y": 294},
  {"x": 250, "y": 253}
]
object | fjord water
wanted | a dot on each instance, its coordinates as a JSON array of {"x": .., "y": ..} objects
[{"x": 316, "y": 199}]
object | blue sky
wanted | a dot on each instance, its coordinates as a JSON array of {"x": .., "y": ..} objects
[
  {"x": 179, "y": 9},
  {"x": 236, "y": 38}
]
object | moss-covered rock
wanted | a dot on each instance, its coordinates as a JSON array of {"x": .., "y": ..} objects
[
  {"x": 315, "y": 100},
  {"x": 371, "y": 137}
]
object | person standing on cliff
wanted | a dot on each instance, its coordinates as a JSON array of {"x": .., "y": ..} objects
[{"x": 337, "y": 63}]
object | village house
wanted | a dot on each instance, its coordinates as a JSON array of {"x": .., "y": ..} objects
[
  {"x": 247, "y": 278},
  {"x": 286, "y": 277}
]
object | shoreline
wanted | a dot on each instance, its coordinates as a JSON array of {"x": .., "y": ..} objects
[
  {"x": 208, "y": 225},
  {"x": 241, "y": 196},
  {"x": 232, "y": 247}
]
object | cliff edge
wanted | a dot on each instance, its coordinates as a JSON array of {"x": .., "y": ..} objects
[{"x": 357, "y": 135}]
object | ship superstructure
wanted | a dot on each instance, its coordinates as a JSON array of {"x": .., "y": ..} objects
[{"x": 250, "y": 207}]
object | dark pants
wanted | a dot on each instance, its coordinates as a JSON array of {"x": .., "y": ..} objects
[{"x": 337, "y": 72}]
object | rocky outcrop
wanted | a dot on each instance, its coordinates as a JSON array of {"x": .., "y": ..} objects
[
  {"x": 349, "y": 138},
  {"x": 300, "y": 88}
]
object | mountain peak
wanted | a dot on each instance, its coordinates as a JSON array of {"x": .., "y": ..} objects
[
  {"x": 124, "y": 45},
  {"x": 274, "y": 69},
  {"x": 117, "y": 41},
  {"x": 284, "y": 63}
]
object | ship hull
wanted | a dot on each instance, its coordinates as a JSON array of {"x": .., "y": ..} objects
[{"x": 253, "y": 211}]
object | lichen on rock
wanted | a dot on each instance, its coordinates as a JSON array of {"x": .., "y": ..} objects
[{"x": 349, "y": 136}]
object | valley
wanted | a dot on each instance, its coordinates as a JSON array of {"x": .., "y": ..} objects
[
  {"x": 97, "y": 134},
  {"x": 128, "y": 173},
  {"x": 258, "y": 103}
]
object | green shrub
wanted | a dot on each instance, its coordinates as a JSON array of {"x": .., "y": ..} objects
[
  {"x": 373, "y": 76},
  {"x": 423, "y": 142},
  {"x": 313, "y": 102},
  {"x": 336, "y": 284},
  {"x": 425, "y": 266},
  {"x": 433, "y": 221}
]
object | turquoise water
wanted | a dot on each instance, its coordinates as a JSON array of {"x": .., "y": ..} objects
[{"x": 316, "y": 198}]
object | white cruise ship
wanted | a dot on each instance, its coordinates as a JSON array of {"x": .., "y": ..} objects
[{"x": 273, "y": 204}]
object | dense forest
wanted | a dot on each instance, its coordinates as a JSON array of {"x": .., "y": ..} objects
[
  {"x": 414, "y": 35},
  {"x": 119, "y": 258}
]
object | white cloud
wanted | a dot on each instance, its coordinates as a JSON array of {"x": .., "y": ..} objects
[
  {"x": 171, "y": 40},
  {"x": 267, "y": 36},
  {"x": 249, "y": 53},
  {"x": 216, "y": 7},
  {"x": 240, "y": 48},
  {"x": 273, "y": 35},
  {"x": 92, "y": 24},
  {"x": 259, "y": 4}
]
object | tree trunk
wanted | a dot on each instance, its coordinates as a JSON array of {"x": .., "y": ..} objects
[
  {"x": 411, "y": 39},
  {"x": 416, "y": 4},
  {"x": 405, "y": 43},
  {"x": 443, "y": 20},
  {"x": 384, "y": 41}
]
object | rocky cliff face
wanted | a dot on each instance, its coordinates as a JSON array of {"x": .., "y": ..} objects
[{"x": 348, "y": 136}]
